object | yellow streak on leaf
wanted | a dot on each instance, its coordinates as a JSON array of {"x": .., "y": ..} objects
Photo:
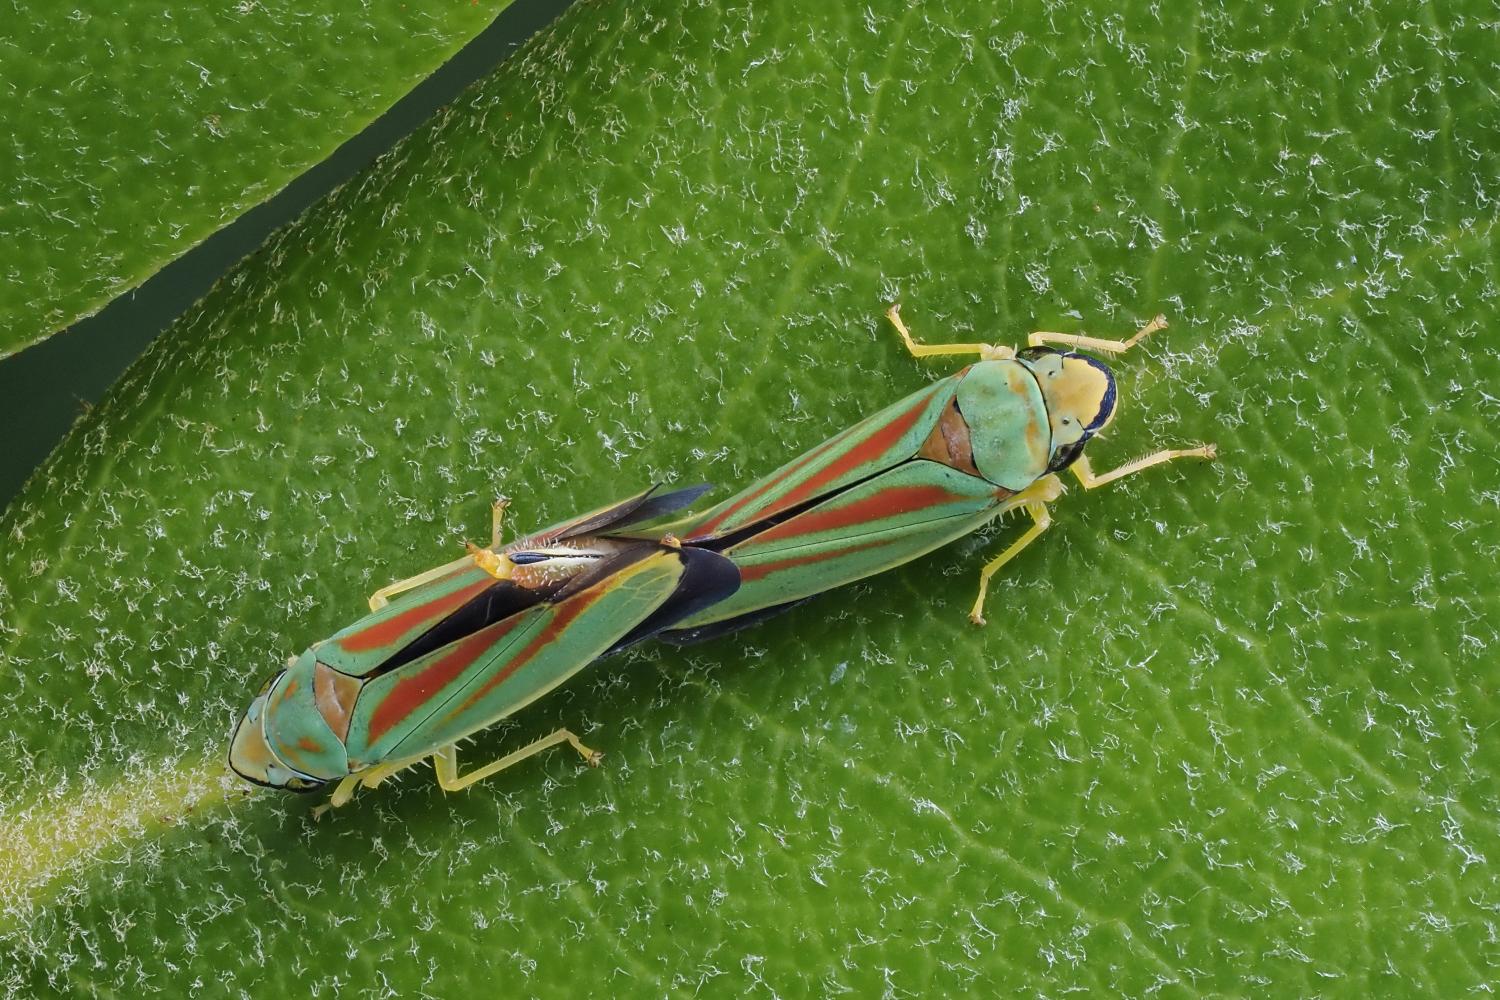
[{"x": 71, "y": 828}]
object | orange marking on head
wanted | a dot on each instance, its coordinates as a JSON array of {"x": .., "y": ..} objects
[
  {"x": 334, "y": 694},
  {"x": 1034, "y": 443}
]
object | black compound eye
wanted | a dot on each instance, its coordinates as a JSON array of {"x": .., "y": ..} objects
[{"x": 1067, "y": 455}]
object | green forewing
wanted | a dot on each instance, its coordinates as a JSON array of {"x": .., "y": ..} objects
[
  {"x": 474, "y": 682},
  {"x": 395, "y": 707},
  {"x": 883, "y": 505},
  {"x": 1236, "y": 734},
  {"x": 883, "y": 522},
  {"x": 874, "y": 444},
  {"x": 365, "y": 645},
  {"x": 368, "y": 643}
]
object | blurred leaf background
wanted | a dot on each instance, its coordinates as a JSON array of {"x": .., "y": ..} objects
[{"x": 1228, "y": 731}]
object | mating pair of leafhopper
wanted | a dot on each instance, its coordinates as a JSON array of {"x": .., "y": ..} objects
[{"x": 451, "y": 651}]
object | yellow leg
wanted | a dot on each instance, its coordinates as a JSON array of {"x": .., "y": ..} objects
[
  {"x": 345, "y": 789},
  {"x": 1038, "y": 511},
  {"x": 445, "y": 761},
  {"x": 497, "y": 515},
  {"x": 1041, "y": 337},
  {"x": 342, "y": 793},
  {"x": 383, "y": 596},
  {"x": 1090, "y": 479},
  {"x": 985, "y": 351}
]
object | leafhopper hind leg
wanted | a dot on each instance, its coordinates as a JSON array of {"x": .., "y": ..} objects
[
  {"x": 1091, "y": 479},
  {"x": 1034, "y": 500},
  {"x": 988, "y": 352},
  {"x": 342, "y": 793},
  {"x": 445, "y": 761},
  {"x": 345, "y": 789},
  {"x": 497, "y": 516},
  {"x": 383, "y": 596},
  {"x": 1076, "y": 340}
]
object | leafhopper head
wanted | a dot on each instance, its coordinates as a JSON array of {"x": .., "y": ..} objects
[
  {"x": 251, "y": 757},
  {"x": 1079, "y": 391}
]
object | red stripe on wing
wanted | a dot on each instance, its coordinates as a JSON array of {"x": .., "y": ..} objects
[
  {"x": 877, "y": 443},
  {"x": 410, "y": 693},
  {"x": 890, "y": 502},
  {"x": 707, "y": 529},
  {"x": 750, "y": 574},
  {"x": 867, "y": 450},
  {"x": 390, "y": 630},
  {"x": 566, "y": 613}
]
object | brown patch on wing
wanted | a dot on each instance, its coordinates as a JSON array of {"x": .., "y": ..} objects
[
  {"x": 334, "y": 694},
  {"x": 949, "y": 442},
  {"x": 1034, "y": 443}
]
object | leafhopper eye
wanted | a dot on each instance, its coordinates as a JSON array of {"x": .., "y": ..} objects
[{"x": 285, "y": 777}]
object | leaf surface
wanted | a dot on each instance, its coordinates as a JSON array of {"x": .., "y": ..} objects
[
  {"x": 1230, "y": 729},
  {"x": 137, "y": 132}
]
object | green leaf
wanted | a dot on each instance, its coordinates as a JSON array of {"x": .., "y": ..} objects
[
  {"x": 137, "y": 133},
  {"x": 1230, "y": 729}
]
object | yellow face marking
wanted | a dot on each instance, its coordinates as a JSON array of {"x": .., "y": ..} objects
[
  {"x": 1074, "y": 390},
  {"x": 250, "y": 755}
]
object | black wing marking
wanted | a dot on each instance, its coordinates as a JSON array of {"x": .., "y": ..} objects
[
  {"x": 707, "y": 579},
  {"x": 703, "y": 633},
  {"x": 642, "y": 507},
  {"x": 500, "y": 599},
  {"x": 504, "y": 598}
]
